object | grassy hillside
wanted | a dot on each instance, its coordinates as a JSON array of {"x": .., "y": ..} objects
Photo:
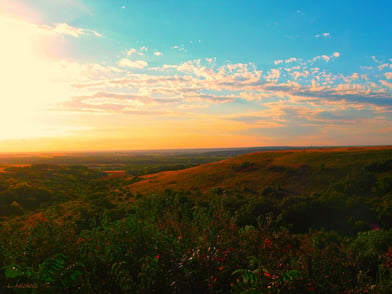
[
  {"x": 294, "y": 221},
  {"x": 295, "y": 172}
]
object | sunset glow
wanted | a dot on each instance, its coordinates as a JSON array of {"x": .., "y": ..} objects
[{"x": 121, "y": 75}]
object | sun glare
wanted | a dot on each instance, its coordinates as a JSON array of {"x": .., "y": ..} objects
[{"x": 27, "y": 80}]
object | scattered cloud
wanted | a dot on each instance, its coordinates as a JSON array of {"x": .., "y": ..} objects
[
  {"x": 306, "y": 103},
  {"x": 66, "y": 29},
  {"x": 107, "y": 102},
  {"x": 291, "y": 59},
  {"x": 374, "y": 58},
  {"x": 295, "y": 97},
  {"x": 303, "y": 97},
  {"x": 326, "y": 58},
  {"x": 386, "y": 84},
  {"x": 273, "y": 75},
  {"x": 323, "y": 35},
  {"x": 388, "y": 75},
  {"x": 348, "y": 115},
  {"x": 125, "y": 62},
  {"x": 131, "y": 51},
  {"x": 298, "y": 74},
  {"x": 141, "y": 51},
  {"x": 382, "y": 66},
  {"x": 179, "y": 48},
  {"x": 204, "y": 81}
]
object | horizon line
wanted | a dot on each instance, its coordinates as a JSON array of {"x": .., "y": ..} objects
[{"x": 287, "y": 147}]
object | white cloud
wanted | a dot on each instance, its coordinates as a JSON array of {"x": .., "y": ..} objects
[
  {"x": 157, "y": 53},
  {"x": 141, "y": 51},
  {"x": 297, "y": 74},
  {"x": 125, "y": 62},
  {"x": 273, "y": 75},
  {"x": 374, "y": 58},
  {"x": 131, "y": 51},
  {"x": 66, "y": 29},
  {"x": 179, "y": 47},
  {"x": 325, "y": 35},
  {"x": 355, "y": 76},
  {"x": 326, "y": 58},
  {"x": 291, "y": 59}
]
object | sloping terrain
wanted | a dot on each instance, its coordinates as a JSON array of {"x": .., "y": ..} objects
[
  {"x": 294, "y": 172},
  {"x": 76, "y": 227}
]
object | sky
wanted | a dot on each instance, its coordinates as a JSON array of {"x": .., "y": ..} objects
[{"x": 127, "y": 74}]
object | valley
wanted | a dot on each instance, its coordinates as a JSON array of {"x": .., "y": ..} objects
[{"x": 205, "y": 221}]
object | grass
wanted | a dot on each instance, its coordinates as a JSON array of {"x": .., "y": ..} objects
[{"x": 299, "y": 171}]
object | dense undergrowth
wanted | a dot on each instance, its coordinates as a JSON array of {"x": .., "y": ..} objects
[{"x": 172, "y": 245}]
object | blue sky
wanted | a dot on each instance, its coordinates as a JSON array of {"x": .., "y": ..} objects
[{"x": 175, "y": 74}]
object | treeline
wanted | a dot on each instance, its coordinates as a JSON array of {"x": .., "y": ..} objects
[
  {"x": 140, "y": 170},
  {"x": 23, "y": 189},
  {"x": 359, "y": 201}
]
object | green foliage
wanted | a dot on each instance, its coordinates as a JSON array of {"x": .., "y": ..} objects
[
  {"x": 122, "y": 276},
  {"x": 372, "y": 243},
  {"x": 258, "y": 279},
  {"x": 52, "y": 274},
  {"x": 172, "y": 244},
  {"x": 32, "y": 188},
  {"x": 105, "y": 240}
]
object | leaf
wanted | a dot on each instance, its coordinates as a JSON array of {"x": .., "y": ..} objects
[
  {"x": 253, "y": 261},
  {"x": 51, "y": 268},
  {"x": 291, "y": 275},
  {"x": 238, "y": 271},
  {"x": 13, "y": 271},
  {"x": 74, "y": 274}
]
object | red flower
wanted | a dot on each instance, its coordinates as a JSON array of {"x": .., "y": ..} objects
[
  {"x": 267, "y": 275},
  {"x": 267, "y": 243},
  {"x": 157, "y": 257}
]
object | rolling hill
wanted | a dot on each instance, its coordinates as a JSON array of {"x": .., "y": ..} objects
[
  {"x": 294, "y": 172},
  {"x": 323, "y": 216}
]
